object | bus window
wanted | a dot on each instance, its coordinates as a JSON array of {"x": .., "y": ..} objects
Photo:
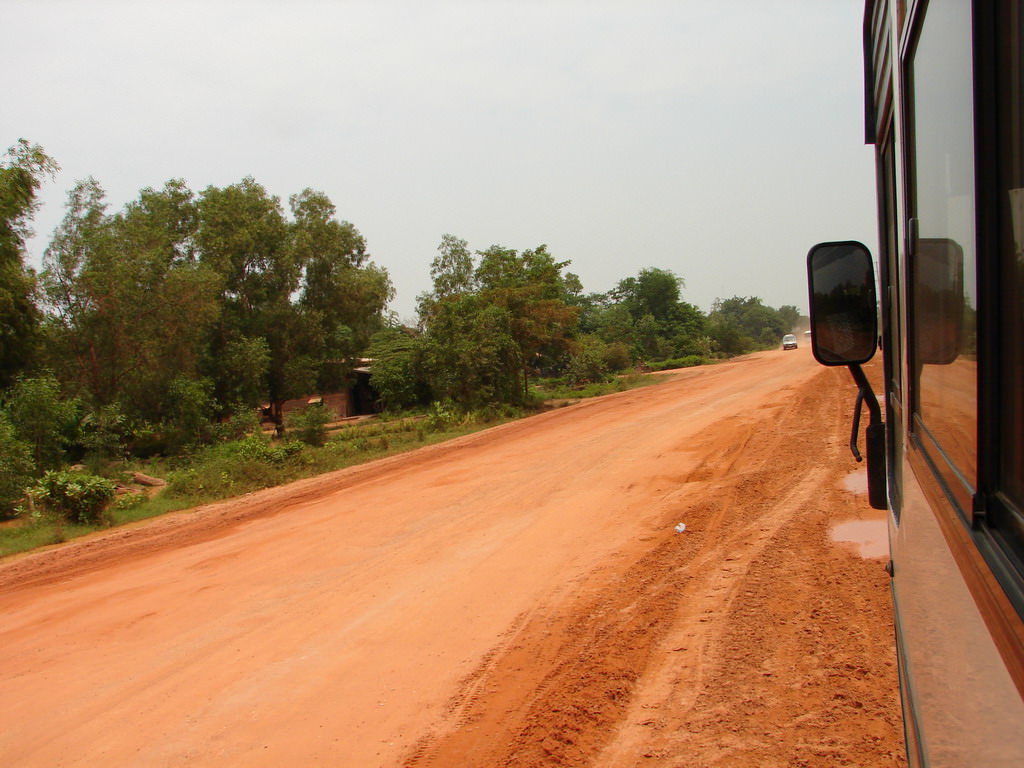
[
  {"x": 942, "y": 267},
  {"x": 1006, "y": 516}
]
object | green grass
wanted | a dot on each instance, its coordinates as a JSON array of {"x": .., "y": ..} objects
[
  {"x": 555, "y": 389},
  {"x": 226, "y": 470}
]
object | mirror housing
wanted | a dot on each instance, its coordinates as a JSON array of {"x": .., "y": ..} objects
[{"x": 843, "y": 303}]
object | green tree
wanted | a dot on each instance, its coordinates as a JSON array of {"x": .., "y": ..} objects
[
  {"x": 452, "y": 268},
  {"x": 531, "y": 288},
  {"x": 652, "y": 292},
  {"x": 130, "y": 303},
  {"x": 22, "y": 171},
  {"x": 304, "y": 287},
  {"x": 790, "y": 317},
  {"x": 470, "y": 355},
  {"x": 243, "y": 365},
  {"x": 343, "y": 292},
  {"x": 244, "y": 238},
  {"x": 588, "y": 361},
  {"x": 752, "y": 319},
  {"x": 16, "y": 466},
  {"x": 42, "y": 419},
  {"x": 191, "y": 408},
  {"x": 486, "y": 329},
  {"x": 396, "y": 368},
  {"x": 648, "y": 312}
]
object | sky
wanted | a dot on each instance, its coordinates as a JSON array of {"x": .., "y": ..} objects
[{"x": 717, "y": 140}]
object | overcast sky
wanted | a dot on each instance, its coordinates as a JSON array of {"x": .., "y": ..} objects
[{"x": 718, "y": 140}]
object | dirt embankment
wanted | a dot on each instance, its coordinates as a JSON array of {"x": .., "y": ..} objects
[{"x": 517, "y": 598}]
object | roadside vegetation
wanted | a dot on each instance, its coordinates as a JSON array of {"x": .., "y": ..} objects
[{"x": 164, "y": 340}]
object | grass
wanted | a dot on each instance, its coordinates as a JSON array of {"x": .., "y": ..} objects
[
  {"x": 225, "y": 470},
  {"x": 556, "y": 389}
]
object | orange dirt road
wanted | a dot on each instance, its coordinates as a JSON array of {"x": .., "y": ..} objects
[{"x": 519, "y": 597}]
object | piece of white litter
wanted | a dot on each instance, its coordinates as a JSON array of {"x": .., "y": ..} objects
[{"x": 681, "y": 527}]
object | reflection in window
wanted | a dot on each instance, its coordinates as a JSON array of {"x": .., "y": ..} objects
[
  {"x": 1009, "y": 515},
  {"x": 943, "y": 271},
  {"x": 1011, "y": 123}
]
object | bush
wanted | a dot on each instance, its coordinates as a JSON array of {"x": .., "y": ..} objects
[
  {"x": 616, "y": 357},
  {"x": 16, "y": 467},
  {"x": 679, "y": 362},
  {"x": 310, "y": 425},
  {"x": 442, "y": 415},
  {"x": 103, "y": 433},
  {"x": 74, "y": 496},
  {"x": 243, "y": 421},
  {"x": 258, "y": 448},
  {"x": 191, "y": 411},
  {"x": 395, "y": 369},
  {"x": 587, "y": 366},
  {"x": 41, "y": 419}
]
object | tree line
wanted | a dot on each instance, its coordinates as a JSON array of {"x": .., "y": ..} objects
[{"x": 150, "y": 328}]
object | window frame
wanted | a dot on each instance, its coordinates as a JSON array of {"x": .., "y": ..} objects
[{"x": 992, "y": 570}]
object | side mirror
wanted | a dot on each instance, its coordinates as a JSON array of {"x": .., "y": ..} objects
[
  {"x": 843, "y": 305},
  {"x": 844, "y": 331}
]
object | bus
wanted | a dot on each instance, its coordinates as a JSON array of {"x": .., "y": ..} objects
[{"x": 945, "y": 434}]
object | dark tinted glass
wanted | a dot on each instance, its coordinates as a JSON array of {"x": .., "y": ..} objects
[{"x": 942, "y": 268}]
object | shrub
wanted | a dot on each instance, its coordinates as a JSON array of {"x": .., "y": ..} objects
[
  {"x": 77, "y": 497},
  {"x": 310, "y": 425},
  {"x": 587, "y": 366},
  {"x": 616, "y": 357},
  {"x": 680, "y": 362},
  {"x": 395, "y": 368},
  {"x": 16, "y": 467},
  {"x": 103, "y": 433},
  {"x": 441, "y": 415},
  {"x": 258, "y": 448},
  {"x": 243, "y": 421},
  {"x": 191, "y": 409},
  {"x": 41, "y": 419}
]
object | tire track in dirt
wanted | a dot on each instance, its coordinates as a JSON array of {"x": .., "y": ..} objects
[{"x": 613, "y": 675}]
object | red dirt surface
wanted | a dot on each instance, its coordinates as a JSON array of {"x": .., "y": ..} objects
[{"x": 519, "y": 597}]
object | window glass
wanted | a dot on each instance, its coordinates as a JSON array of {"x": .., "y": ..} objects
[
  {"x": 1013, "y": 340},
  {"x": 943, "y": 282},
  {"x": 1011, "y": 367}
]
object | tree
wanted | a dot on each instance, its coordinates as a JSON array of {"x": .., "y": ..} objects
[
  {"x": 531, "y": 288},
  {"x": 748, "y": 317},
  {"x": 395, "y": 353},
  {"x": 790, "y": 316},
  {"x": 16, "y": 466},
  {"x": 660, "y": 324},
  {"x": 242, "y": 235},
  {"x": 304, "y": 287},
  {"x": 452, "y": 269},
  {"x": 21, "y": 174},
  {"x": 346, "y": 291},
  {"x": 130, "y": 303},
  {"x": 510, "y": 312},
  {"x": 652, "y": 292},
  {"x": 470, "y": 355},
  {"x": 41, "y": 418}
]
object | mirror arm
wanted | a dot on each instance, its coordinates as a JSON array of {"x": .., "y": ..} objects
[
  {"x": 856, "y": 427},
  {"x": 867, "y": 395},
  {"x": 875, "y": 439}
]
